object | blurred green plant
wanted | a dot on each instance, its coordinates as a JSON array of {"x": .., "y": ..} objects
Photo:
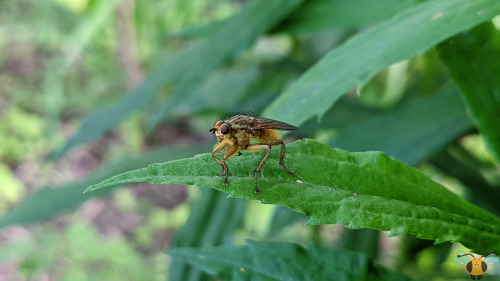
[
  {"x": 284, "y": 261},
  {"x": 20, "y": 144},
  {"x": 111, "y": 258}
]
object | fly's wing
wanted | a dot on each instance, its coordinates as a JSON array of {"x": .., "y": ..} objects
[
  {"x": 264, "y": 123},
  {"x": 461, "y": 260},
  {"x": 491, "y": 259},
  {"x": 240, "y": 121}
]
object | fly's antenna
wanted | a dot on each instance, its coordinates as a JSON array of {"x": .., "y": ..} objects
[
  {"x": 212, "y": 130},
  {"x": 494, "y": 252},
  {"x": 466, "y": 255}
]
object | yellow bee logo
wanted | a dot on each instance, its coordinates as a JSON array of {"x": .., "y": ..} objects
[
  {"x": 476, "y": 266},
  {"x": 234, "y": 134}
]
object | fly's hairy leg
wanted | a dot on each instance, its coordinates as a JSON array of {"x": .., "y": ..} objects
[
  {"x": 257, "y": 147},
  {"x": 283, "y": 156},
  {"x": 223, "y": 165},
  {"x": 218, "y": 148},
  {"x": 268, "y": 146},
  {"x": 233, "y": 150}
]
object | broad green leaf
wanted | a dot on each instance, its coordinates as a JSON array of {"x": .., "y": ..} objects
[
  {"x": 409, "y": 32},
  {"x": 48, "y": 202},
  {"x": 200, "y": 230},
  {"x": 412, "y": 127},
  {"x": 366, "y": 189},
  {"x": 411, "y": 131},
  {"x": 284, "y": 261},
  {"x": 473, "y": 62},
  {"x": 188, "y": 68}
]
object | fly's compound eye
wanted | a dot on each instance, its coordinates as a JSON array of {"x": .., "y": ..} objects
[{"x": 224, "y": 129}]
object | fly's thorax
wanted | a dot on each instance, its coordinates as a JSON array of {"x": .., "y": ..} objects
[{"x": 242, "y": 137}]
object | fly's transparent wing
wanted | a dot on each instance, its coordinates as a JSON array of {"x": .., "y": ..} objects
[
  {"x": 491, "y": 259},
  {"x": 264, "y": 123},
  {"x": 461, "y": 260}
]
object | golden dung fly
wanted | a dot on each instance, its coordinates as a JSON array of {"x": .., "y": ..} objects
[{"x": 234, "y": 134}]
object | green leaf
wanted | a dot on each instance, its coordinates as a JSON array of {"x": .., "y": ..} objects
[
  {"x": 188, "y": 68},
  {"x": 411, "y": 131},
  {"x": 284, "y": 261},
  {"x": 473, "y": 62},
  {"x": 363, "y": 240},
  {"x": 336, "y": 14},
  {"x": 283, "y": 217},
  {"x": 48, "y": 202},
  {"x": 366, "y": 189},
  {"x": 237, "y": 34},
  {"x": 221, "y": 91},
  {"x": 100, "y": 121},
  {"x": 457, "y": 162},
  {"x": 409, "y": 32},
  {"x": 317, "y": 15},
  {"x": 57, "y": 69}
]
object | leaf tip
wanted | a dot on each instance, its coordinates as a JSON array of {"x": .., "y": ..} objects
[{"x": 92, "y": 188}]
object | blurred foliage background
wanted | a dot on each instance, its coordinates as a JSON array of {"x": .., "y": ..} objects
[{"x": 89, "y": 89}]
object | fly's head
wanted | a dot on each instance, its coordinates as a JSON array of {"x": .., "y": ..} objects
[{"x": 221, "y": 129}]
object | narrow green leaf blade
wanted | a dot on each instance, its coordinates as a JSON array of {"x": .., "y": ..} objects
[
  {"x": 221, "y": 91},
  {"x": 100, "y": 121},
  {"x": 48, "y": 202},
  {"x": 473, "y": 62},
  {"x": 284, "y": 261},
  {"x": 366, "y": 189},
  {"x": 238, "y": 33},
  {"x": 318, "y": 15},
  {"x": 336, "y": 14},
  {"x": 409, "y": 32}
]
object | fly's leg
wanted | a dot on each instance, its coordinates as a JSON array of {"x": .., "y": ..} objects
[
  {"x": 283, "y": 156},
  {"x": 256, "y": 171},
  {"x": 225, "y": 170},
  {"x": 233, "y": 150},
  {"x": 218, "y": 148},
  {"x": 268, "y": 146},
  {"x": 223, "y": 164}
]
